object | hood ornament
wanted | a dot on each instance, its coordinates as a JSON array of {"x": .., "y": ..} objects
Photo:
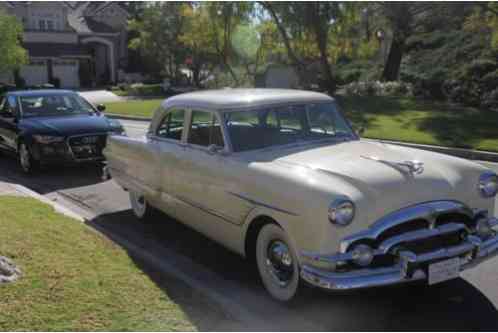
[{"x": 413, "y": 167}]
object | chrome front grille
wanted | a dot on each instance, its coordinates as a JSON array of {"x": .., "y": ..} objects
[
  {"x": 87, "y": 146},
  {"x": 421, "y": 229}
]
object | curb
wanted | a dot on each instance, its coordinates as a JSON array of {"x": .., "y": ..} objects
[
  {"x": 57, "y": 207},
  {"x": 118, "y": 116},
  {"x": 458, "y": 152}
]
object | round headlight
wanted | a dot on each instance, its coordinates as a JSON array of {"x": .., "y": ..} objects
[
  {"x": 488, "y": 184},
  {"x": 341, "y": 212},
  {"x": 362, "y": 255}
]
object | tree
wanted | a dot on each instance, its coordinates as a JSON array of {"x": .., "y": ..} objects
[
  {"x": 158, "y": 32},
  {"x": 405, "y": 19},
  {"x": 315, "y": 31},
  {"x": 13, "y": 54},
  {"x": 196, "y": 38}
]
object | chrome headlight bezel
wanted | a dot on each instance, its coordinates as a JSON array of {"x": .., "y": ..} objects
[
  {"x": 488, "y": 184},
  {"x": 48, "y": 139},
  {"x": 341, "y": 212}
]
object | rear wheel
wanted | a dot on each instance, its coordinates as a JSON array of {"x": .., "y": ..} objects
[
  {"x": 140, "y": 207},
  {"x": 28, "y": 164},
  {"x": 277, "y": 263}
]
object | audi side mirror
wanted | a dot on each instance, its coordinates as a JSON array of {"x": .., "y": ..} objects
[
  {"x": 214, "y": 149},
  {"x": 101, "y": 107}
]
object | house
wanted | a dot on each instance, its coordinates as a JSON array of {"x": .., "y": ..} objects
[{"x": 82, "y": 44}]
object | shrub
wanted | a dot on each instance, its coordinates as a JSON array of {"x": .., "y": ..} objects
[
  {"x": 20, "y": 82},
  {"x": 490, "y": 100},
  {"x": 377, "y": 88},
  {"x": 56, "y": 82}
]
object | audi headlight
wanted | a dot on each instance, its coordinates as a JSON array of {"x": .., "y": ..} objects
[
  {"x": 341, "y": 212},
  {"x": 47, "y": 139},
  {"x": 488, "y": 184}
]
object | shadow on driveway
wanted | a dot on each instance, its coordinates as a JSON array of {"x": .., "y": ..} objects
[
  {"x": 452, "y": 306},
  {"x": 50, "y": 178}
]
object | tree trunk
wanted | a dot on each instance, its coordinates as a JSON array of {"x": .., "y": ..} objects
[
  {"x": 285, "y": 38},
  {"x": 393, "y": 63},
  {"x": 321, "y": 40}
]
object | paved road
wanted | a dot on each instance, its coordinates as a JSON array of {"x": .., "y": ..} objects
[{"x": 468, "y": 303}]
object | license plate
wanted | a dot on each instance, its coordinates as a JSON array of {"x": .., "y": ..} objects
[{"x": 444, "y": 270}]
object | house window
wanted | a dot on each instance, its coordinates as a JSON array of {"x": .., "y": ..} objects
[{"x": 46, "y": 25}]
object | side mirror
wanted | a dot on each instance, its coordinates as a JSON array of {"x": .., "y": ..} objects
[
  {"x": 214, "y": 149},
  {"x": 360, "y": 131},
  {"x": 101, "y": 107}
]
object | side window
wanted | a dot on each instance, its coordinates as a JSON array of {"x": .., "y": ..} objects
[
  {"x": 171, "y": 126},
  {"x": 205, "y": 130}
]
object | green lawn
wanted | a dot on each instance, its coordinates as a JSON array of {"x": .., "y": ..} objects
[
  {"x": 395, "y": 118},
  {"x": 77, "y": 280},
  {"x": 141, "y": 108},
  {"x": 426, "y": 122}
]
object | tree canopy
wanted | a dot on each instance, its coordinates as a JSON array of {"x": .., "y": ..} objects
[
  {"x": 13, "y": 54},
  {"x": 239, "y": 39}
]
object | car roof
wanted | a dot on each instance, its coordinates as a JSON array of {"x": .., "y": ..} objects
[
  {"x": 38, "y": 92},
  {"x": 226, "y": 99}
]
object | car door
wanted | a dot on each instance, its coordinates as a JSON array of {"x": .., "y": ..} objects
[
  {"x": 168, "y": 138},
  {"x": 9, "y": 113},
  {"x": 204, "y": 177}
]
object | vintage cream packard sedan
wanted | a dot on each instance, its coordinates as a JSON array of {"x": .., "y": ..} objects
[{"x": 280, "y": 177}]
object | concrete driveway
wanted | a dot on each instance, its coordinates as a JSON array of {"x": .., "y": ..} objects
[
  {"x": 464, "y": 304},
  {"x": 100, "y": 96}
]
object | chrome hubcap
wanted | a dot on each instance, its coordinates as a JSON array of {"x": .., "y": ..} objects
[
  {"x": 279, "y": 263},
  {"x": 24, "y": 157},
  {"x": 139, "y": 204}
]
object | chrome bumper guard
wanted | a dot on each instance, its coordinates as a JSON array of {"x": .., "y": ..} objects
[{"x": 319, "y": 270}]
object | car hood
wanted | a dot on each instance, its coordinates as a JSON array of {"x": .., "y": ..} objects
[
  {"x": 367, "y": 172},
  {"x": 66, "y": 125}
]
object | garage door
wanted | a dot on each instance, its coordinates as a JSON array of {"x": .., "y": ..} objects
[
  {"x": 67, "y": 72},
  {"x": 35, "y": 73}
]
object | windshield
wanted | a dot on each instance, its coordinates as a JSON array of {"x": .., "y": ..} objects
[
  {"x": 272, "y": 126},
  {"x": 54, "y": 105}
]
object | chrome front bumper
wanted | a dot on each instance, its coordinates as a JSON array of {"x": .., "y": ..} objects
[{"x": 409, "y": 267}]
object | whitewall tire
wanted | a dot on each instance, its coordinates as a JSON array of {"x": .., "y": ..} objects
[
  {"x": 277, "y": 262},
  {"x": 140, "y": 207}
]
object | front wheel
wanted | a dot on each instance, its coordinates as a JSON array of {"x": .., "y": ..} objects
[
  {"x": 28, "y": 164},
  {"x": 277, "y": 263},
  {"x": 140, "y": 207}
]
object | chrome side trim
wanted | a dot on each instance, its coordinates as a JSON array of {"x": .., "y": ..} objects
[
  {"x": 259, "y": 203},
  {"x": 428, "y": 211},
  {"x": 205, "y": 209}
]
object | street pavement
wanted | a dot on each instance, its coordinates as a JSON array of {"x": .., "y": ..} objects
[{"x": 464, "y": 304}]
